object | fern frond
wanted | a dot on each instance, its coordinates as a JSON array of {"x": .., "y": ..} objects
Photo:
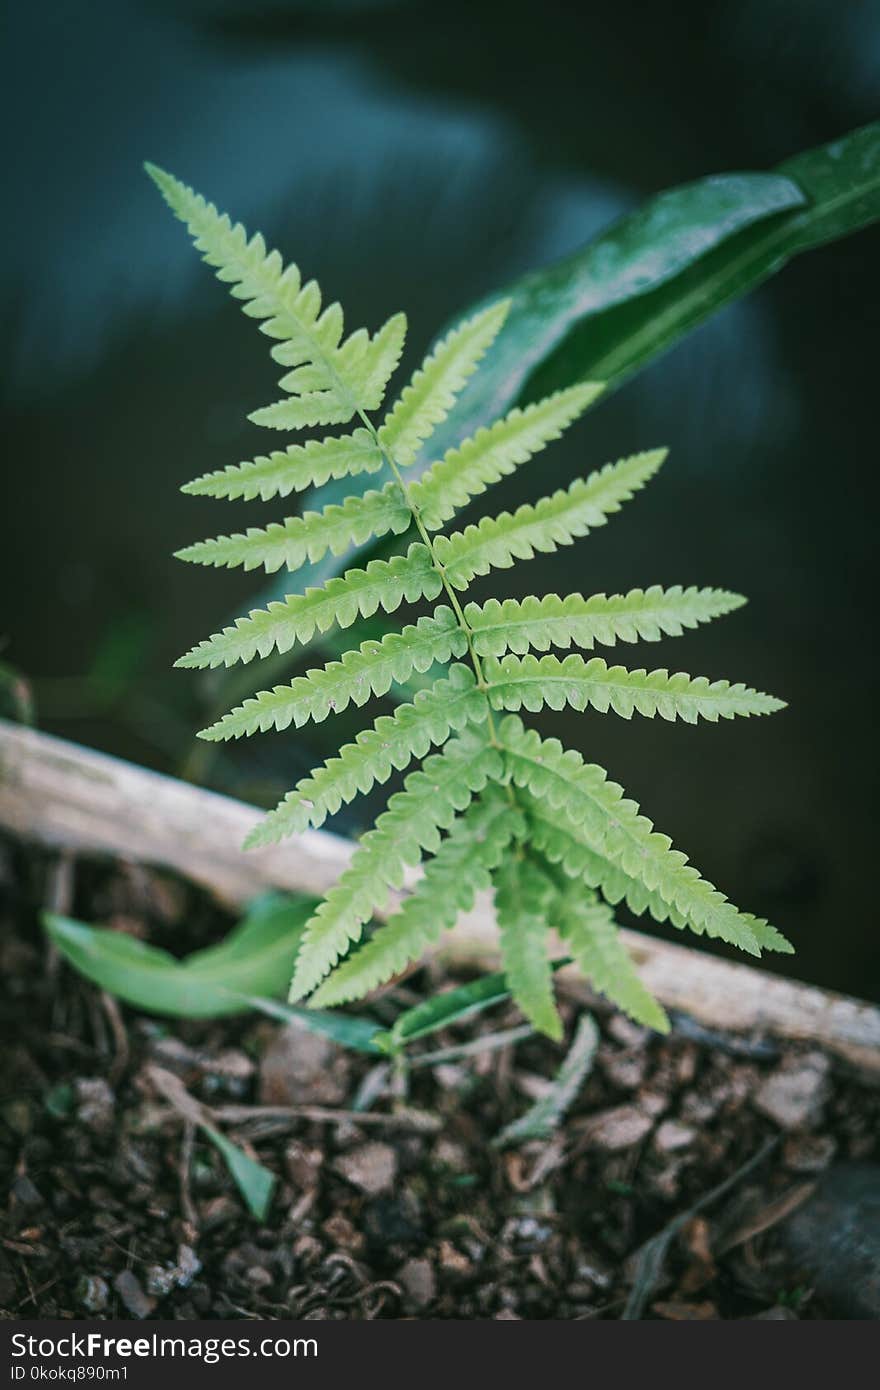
[
  {"x": 308, "y": 537},
  {"x": 619, "y": 832},
  {"x": 493, "y": 452},
  {"x": 293, "y": 469},
  {"x": 523, "y": 894},
  {"x": 361, "y": 673},
  {"x": 384, "y": 584},
  {"x": 590, "y": 933},
  {"x": 430, "y": 800},
  {"x": 458, "y": 871},
  {"x": 531, "y": 682},
  {"x": 498, "y": 541},
  {"x": 333, "y": 378},
  {"x": 430, "y": 396},
  {"x": 390, "y": 745},
  {"x": 574, "y": 621}
]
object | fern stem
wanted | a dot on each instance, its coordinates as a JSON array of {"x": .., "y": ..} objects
[{"x": 454, "y": 601}]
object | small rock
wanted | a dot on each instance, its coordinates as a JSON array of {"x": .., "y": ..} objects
[
  {"x": 672, "y": 1136},
  {"x": 625, "y": 1070},
  {"x": 417, "y": 1277},
  {"x": 136, "y": 1301},
  {"x": 794, "y": 1093},
  {"x": 453, "y": 1262},
  {"x": 808, "y": 1153},
  {"x": 620, "y": 1128},
  {"x": 342, "y": 1234},
  {"x": 258, "y": 1277},
  {"x": 675, "y": 1311},
  {"x": 653, "y": 1103},
  {"x": 96, "y": 1104},
  {"x": 303, "y": 1164},
  {"x": 699, "y": 1108},
  {"x": 160, "y": 1280},
  {"x": 24, "y": 1193},
  {"x": 393, "y": 1219},
  {"x": 188, "y": 1266},
  {"x": 627, "y": 1033},
  {"x": 447, "y": 1153},
  {"x": 595, "y": 1272},
  {"x": 371, "y": 1167},
  {"x": 300, "y": 1068},
  {"x": 834, "y": 1239},
  {"x": 92, "y": 1292}
]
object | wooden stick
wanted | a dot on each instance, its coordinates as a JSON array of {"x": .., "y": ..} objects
[{"x": 59, "y": 794}]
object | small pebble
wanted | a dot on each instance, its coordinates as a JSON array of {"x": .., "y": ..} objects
[
  {"x": 620, "y": 1128},
  {"x": 129, "y": 1289},
  {"x": 96, "y": 1104},
  {"x": 417, "y": 1277},
  {"x": 672, "y": 1136},
  {"x": 793, "y": 1094},
  {"x": 372, "y": 1167}
]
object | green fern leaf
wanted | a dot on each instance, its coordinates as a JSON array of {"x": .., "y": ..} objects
[
  {"x": 458, "y": 871},
  {"x": 431, "y": 394},
  {"x": 430, "y": 800},
  {"x": 642, "y": 614},
  {"x": 498, "y": 541},
  {"x": 390, "y": 745},
  {"x": 492, "y": 453},
  {"x": 334, "y": 378},
  {"x": 308, "y": 537},
  {"x": 523, "y": 895},
  {"x": 530, "y": 682},
  {"x": 562, "y": 840},
  {"x": 384, "y": 584},
  {"x": 620, "y": 833},
  {"x": 362, "y": 672},
  {"x": 371, "y": 370},
  {"x": 590, "y": 933},
  {"x": 293, "y": 469}
]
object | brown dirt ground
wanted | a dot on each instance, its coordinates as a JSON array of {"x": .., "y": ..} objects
[{"x": 118, "y": 1209}]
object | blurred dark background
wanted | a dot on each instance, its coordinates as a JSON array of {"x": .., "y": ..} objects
[{"x": 419, "y": 155}]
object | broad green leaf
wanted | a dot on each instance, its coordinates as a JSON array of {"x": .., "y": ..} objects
[
  {"x": 254, "y": 1182},
  {"x": 354, "y": 1031},
  {"x": 452, "y": 1006},
  {"x": 641, "y": 285},
  {"x": 255, "y": 959}
]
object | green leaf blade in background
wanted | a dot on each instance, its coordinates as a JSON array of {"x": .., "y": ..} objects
[{"x": 640, "y": 286}]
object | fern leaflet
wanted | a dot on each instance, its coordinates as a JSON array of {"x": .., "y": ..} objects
[
  {"x": 523, "y": 896},
  {"x": 384, "y": 584},
  {"x": 361, "y": 673},
  {"x": 429, "y": 803},
  {"x": 590, "y": 934},
  {"x": 391, "y": 744},
  {"x": 461, "y": 868},
  {"x": 498, "y": 541},
  {"x": 574, "y": 621},
  {"x": 293, "y": 469},
  {"x": 492, "y": 453},
  {"x": 530, "y": 682},
  {"x": 431, "y": 394},
  {"x": 290, "y": 543}
]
